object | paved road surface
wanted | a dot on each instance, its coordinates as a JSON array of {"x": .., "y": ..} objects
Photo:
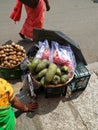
[{"x": 78, "y": 19}]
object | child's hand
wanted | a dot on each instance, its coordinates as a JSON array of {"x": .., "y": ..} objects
[{"x": 31, "y": 106}]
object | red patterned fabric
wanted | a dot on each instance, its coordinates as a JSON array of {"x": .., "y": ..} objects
[
  {"x": 16, "y": 12},
  {"x": 35, "y": 19}
]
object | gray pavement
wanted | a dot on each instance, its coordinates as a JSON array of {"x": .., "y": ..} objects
[
  {"x": 78, "y": 20},
  {"x": 75, "y": 111}
]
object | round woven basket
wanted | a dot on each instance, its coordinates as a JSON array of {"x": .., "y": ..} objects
[
  {"x": 13, "y": 66},
  {"x": 9, "y": 67},
  {"x": 52, "y": 85}
]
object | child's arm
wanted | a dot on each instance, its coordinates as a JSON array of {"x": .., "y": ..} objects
[
  {"x": 47, "y": 5},
  {"x": 24, "y": 107}
]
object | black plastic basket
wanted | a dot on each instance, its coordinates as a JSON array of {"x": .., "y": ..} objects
[
  {"x": 13, "y": 73},
  {"x": 53, "y": 92},
  {"x": 81, "y": 78}
]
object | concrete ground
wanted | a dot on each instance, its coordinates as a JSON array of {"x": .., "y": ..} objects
[
  {"x": 75, "y": 111},
  {"x": 78, "y": 20}
]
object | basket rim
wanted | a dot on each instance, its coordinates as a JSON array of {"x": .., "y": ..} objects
[
  {"x": 52, "y": 85},
  {"x": 8, "y": 67},
  {"x": 13, "y": 66}
]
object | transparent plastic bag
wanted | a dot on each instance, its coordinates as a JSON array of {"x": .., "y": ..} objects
[
  {"x": 60, "y": 56},
  {"x": 44, "y": 50},
  {"x": 54, "y": 54},
  {"x": 71, "y": 55}
]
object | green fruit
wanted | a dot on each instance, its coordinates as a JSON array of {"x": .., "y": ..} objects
[
  {"x": 34, "y": 63},
  {"x": 64, "y": 78},
  {"x": 30, "y": 59},
  {"x": 58, "y": 72},
  {"x": 41, "y": 74},
  {"x": 65, "y": 69},
  {"x": 50, "y": 72},
  {"x": 42, "y": 81},
  {"x": 30, "y": 67},
  {"x": 43, "y": 64},
  {"x": 56, "y": 79}
]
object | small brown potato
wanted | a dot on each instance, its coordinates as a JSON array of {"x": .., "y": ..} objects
[
  {"x": 7, "y": 50},
  {"x": 19, "y": 53},
  {"x": 3, "y": 55},
  {"x": 13, "y": 43},
  {"x": 14, "y": 62},
  {"x": 11, "y": 50},
  {"x": 11, "y": 61},
  {"x": 6, "y": 58},
  {"x": 12, "y": 65},
  {"x": 1, "y": 47},
  {"x": 2, "y": 64},
  {"x": 17, "y": 59},
  {"x": 1, "y": 52}
]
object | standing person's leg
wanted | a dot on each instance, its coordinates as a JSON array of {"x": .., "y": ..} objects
[{"x": 35, "y": 19}]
